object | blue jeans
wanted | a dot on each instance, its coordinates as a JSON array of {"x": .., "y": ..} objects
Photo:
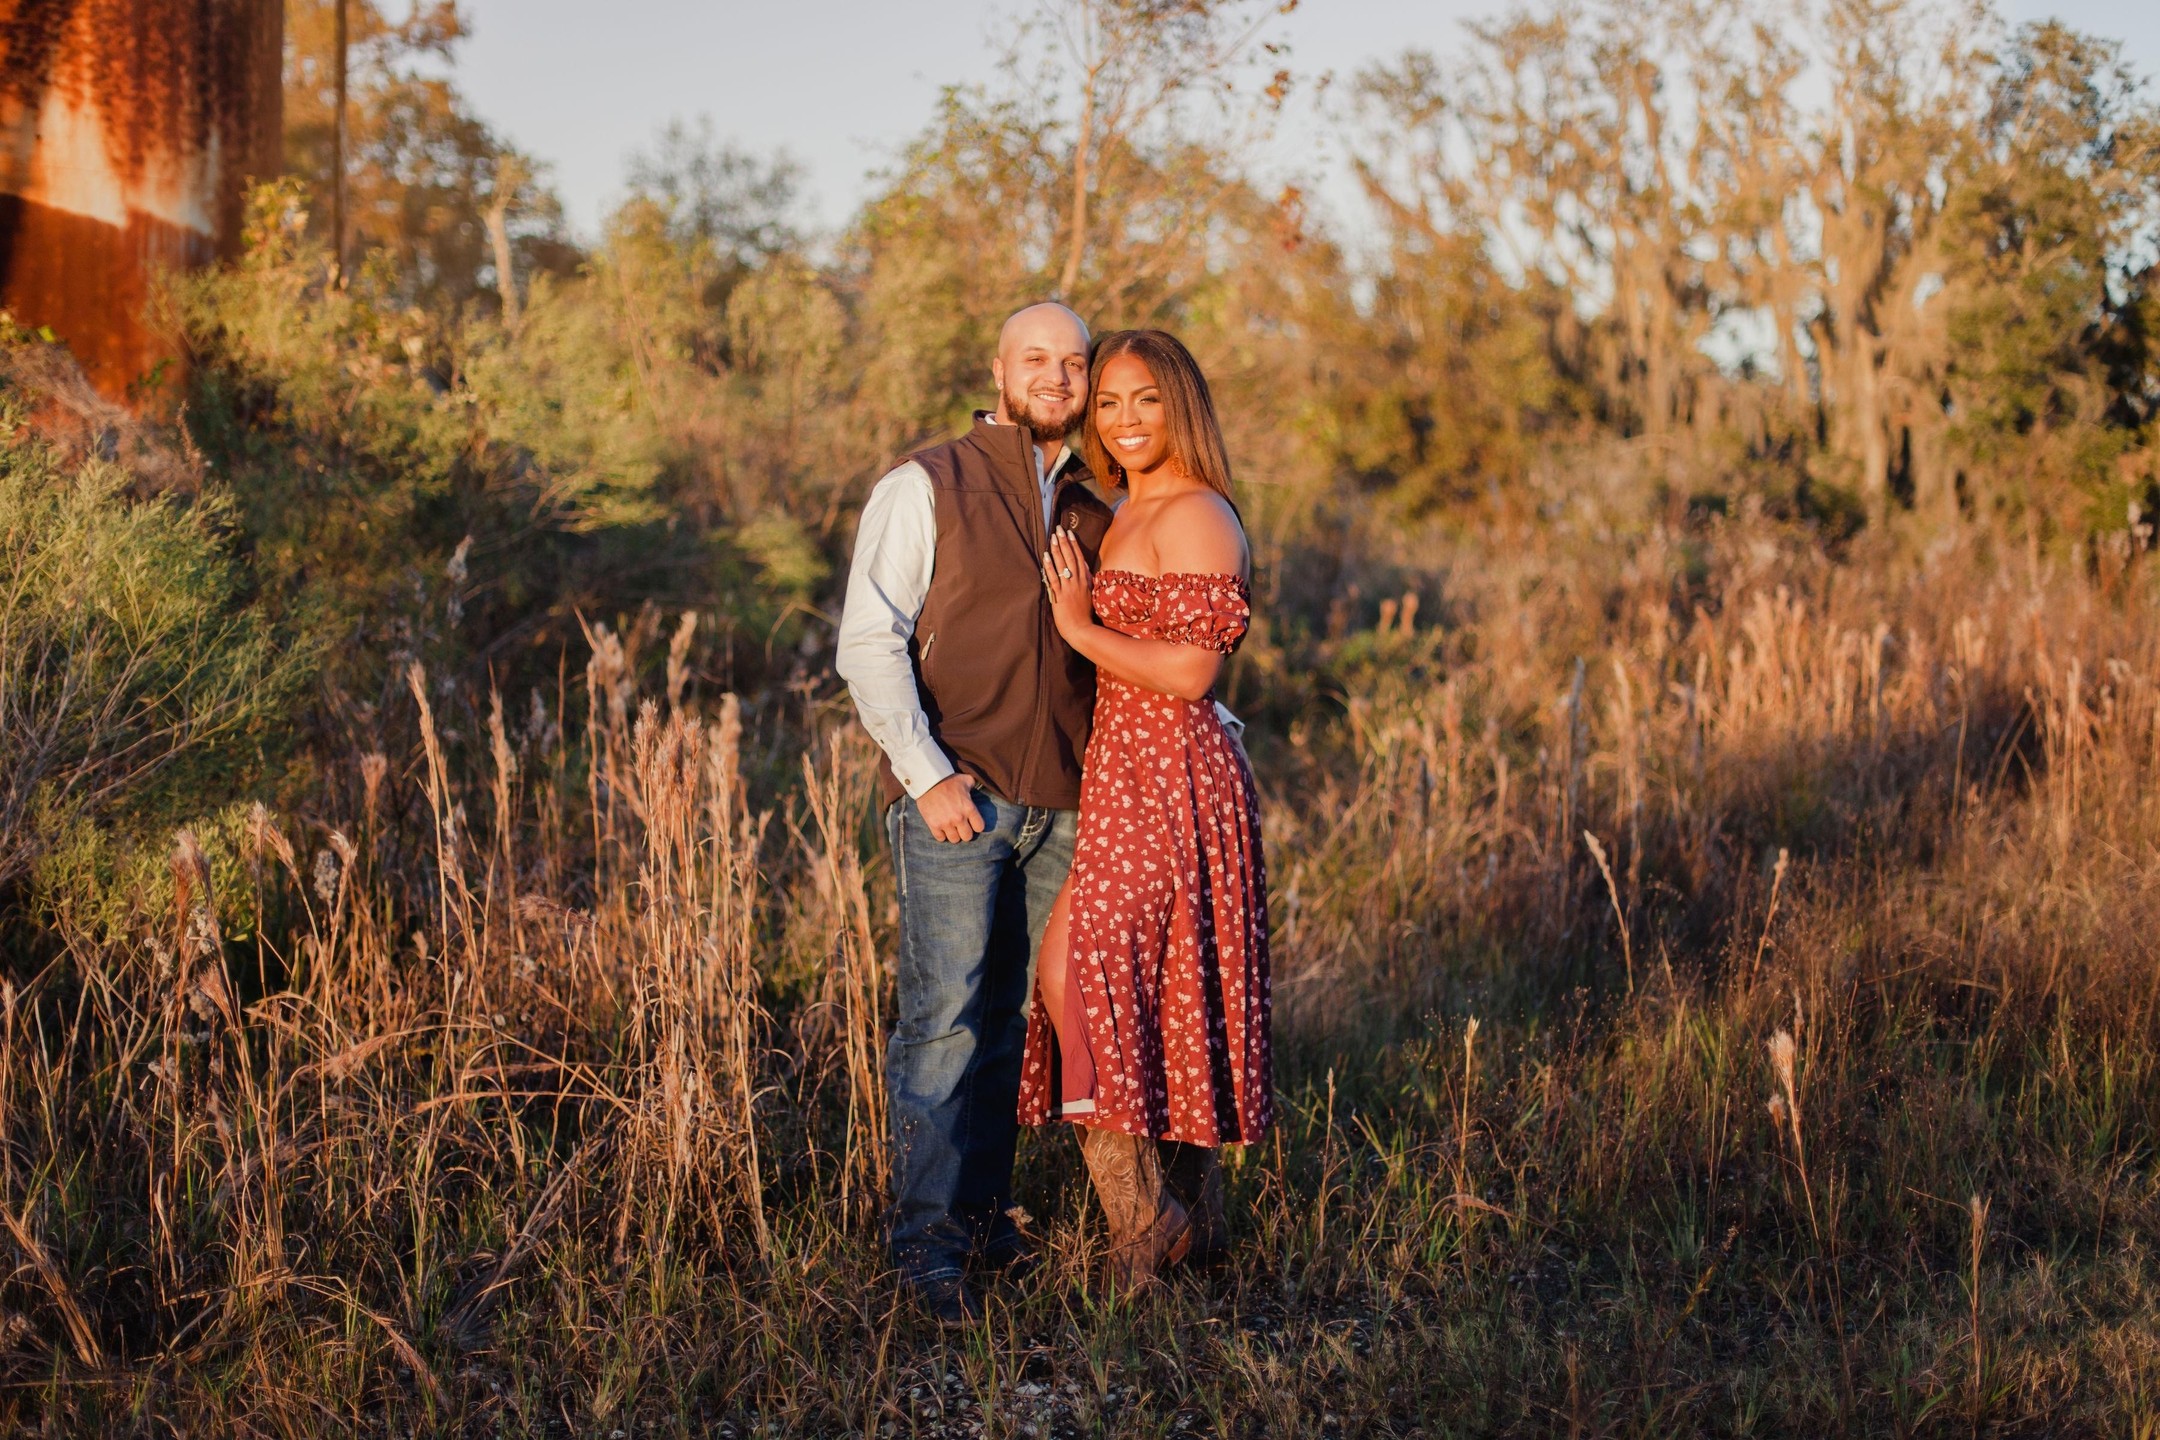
[{"x": 971, "y": 921}]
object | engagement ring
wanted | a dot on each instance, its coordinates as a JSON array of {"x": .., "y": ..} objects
[{"x": 1063, "y": 573}]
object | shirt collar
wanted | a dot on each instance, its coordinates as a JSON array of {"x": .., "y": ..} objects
[{"x": 1057, "y": 466}]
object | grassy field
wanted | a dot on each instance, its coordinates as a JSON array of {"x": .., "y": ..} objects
[
  {"x": 1705, "y": 699},
  {"x": 1717, "y": 995}
]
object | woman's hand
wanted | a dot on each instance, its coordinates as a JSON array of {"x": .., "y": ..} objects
[{"x": 1065, "y": 572}]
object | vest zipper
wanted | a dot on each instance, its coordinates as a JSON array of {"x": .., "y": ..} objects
[{"x": 1045, "y": 626}]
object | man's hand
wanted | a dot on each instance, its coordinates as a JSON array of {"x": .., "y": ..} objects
[{"x": 948, "y": 808}]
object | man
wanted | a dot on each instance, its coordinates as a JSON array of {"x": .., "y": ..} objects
[{"x": 959, "y": 674}]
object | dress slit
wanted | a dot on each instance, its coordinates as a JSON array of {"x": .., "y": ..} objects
[{"x": 1076, "y": 1054}]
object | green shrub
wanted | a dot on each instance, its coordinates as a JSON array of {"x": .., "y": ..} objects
[{"x": 137, "y": 687}]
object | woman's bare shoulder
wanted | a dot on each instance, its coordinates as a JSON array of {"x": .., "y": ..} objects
[{"x": 1198, "y": 533}]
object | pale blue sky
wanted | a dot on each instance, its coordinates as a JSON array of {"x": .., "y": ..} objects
[{"x": 842, "y": 84}]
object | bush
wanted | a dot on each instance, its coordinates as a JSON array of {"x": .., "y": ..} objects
[
  {"x": 136, "y": 684},
  {"x": 445, "y": 489}
]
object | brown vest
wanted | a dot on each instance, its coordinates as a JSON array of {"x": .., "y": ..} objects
[{"x": 1008, "y": 700}]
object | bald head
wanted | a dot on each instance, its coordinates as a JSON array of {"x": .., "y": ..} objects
[
  {"x": 1041, "y": 371},
  {"x": 1049, "y": 322}
]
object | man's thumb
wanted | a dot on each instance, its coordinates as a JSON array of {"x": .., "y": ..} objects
[{"x": 966, "y": 779}]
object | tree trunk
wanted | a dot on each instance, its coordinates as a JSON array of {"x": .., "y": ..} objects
[
  {"x": 498, "y": 228},
  {"x": 1076, "y": 245},
  {"x": 337, "y": 152},
  {"x": 1870, "y": 436}
]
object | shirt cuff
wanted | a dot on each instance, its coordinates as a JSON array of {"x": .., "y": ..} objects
[{"x": 920, "y": 767}]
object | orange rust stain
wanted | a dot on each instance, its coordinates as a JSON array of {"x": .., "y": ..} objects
[
  {"x": 89, "y": 283},
  {"x": 129, "y": 130}
]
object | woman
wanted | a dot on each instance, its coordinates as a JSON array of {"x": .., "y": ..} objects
[{"x": 1150, "y": 1027}]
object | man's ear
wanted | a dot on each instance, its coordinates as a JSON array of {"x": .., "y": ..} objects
[{"x": 997, "y": 372}]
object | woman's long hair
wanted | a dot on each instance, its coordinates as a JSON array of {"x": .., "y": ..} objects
[{"x": 1195, "y": 436}]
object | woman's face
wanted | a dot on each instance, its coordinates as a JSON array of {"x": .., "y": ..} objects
[{"x": 1129, "y": 415}]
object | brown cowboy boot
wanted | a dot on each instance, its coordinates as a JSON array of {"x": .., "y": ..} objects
[
  {"x": 1194, "y": 1173},
  {"x": 1149, "y": 1229}
]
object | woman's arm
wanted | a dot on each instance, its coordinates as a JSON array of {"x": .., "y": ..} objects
[
  {"x": 1207, "y": 542},
  {"x": 1186, "y": 671}
]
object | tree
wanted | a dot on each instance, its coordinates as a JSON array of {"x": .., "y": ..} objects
[
  {"x": 423, "y": 173},
  {"x": 718, "y": 194},
  {"x": 1929, "y": 240},
  {"x": 1139, "y": 65},
  {"x": 1435, "y": 384},
  {"x": 2050, "y": 254}
]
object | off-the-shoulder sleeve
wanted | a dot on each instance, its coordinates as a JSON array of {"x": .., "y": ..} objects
[{"x": 1210, "y": 611}]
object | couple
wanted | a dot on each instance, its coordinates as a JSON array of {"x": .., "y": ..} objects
[{"x": 1032, "y": 636}]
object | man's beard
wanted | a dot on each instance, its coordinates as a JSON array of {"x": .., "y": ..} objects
[{"x": 1040, "y": 425}]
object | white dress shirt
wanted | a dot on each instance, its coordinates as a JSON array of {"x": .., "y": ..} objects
[{"x": 895, "y": 548}]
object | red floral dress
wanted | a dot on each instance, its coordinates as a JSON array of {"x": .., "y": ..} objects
[{"x": 1169, "y": 924}]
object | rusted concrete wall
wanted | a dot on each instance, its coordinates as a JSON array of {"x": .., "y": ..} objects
[{"x": 128, "y": 132}]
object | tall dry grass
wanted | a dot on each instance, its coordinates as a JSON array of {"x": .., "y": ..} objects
[{"x": 1816, "y": 1094}]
